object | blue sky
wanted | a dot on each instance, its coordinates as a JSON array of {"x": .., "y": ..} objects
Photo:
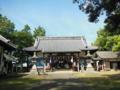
[{"x": 57, "y": 17}]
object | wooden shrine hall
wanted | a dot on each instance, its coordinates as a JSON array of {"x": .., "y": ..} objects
[{"x": 60, "y": 52}]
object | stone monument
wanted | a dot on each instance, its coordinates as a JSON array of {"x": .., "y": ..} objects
[
  {"x": 89, "y": 68},
  {"x": 33, "y": 71}
]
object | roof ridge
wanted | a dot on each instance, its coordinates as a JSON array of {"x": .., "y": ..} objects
[
  {"x": 8, "y": 41},
  {"x": 60, "y": 37},
  {"x": 3, "y": 38}
]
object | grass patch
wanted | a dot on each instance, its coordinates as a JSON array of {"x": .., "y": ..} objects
[
  {"x": 108, "y": 80},
  {"x": 18, "y": 83}
]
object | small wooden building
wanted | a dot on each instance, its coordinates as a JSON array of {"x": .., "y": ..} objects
[
  {"x": 6, "y": 60},
  {"x": 60, "y": 52},
  {"x": 107, "y": 60}
]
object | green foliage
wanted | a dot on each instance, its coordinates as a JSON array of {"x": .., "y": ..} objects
[
  {"x": 101, "y": 40},
  {"x": 96, "y": 8},
  {"x": 26, "y": 29},
  {"x": 7, "y": 28},
  {"x": 114, "y": 43},
  {"x": 40, "y": 31},
  {"x": 23, "y": 38},
  {"x": 107, "y": 41}
]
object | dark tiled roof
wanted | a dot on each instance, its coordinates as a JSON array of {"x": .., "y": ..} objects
[
  {"x": 6, "y": 43},
  {"x": 60, "y": 44},
  {"x": 108, "y": 54}
]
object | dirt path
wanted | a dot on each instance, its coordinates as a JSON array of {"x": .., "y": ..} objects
[{"x": 60, "y": 81}]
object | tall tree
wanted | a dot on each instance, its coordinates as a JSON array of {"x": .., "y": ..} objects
[
  {"x": 107, "y": 40},
  {"x": 24, "y": 38},
  {"x": 96, "y": 8},
  {"x": 7, "y": 28},
  {"x": 40, "y": 31},
  {"x": 101, "y": 40},
  {"x": 113, "y": 43},
  {"x": 26, "y": 29}
]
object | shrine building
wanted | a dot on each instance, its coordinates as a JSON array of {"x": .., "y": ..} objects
[{"x": 60, "y": 52}]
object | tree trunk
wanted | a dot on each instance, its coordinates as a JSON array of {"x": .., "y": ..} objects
[{"x": 21, "y": 64}]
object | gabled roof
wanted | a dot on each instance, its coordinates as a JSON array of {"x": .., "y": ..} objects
[
  {"x": 60, "y": 44},
  {"x": 108, "y": 54},
  {"x": 7, "y": 44}
]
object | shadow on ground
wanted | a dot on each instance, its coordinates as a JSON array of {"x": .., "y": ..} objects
[
  {"x": 17, "y": 82},
  {"x": 11, "y": 76},
  {"x": 106, "y": 82},
  {"x": 60, "y": 84}
]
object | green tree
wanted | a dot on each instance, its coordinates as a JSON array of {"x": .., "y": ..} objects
[
  {"x": 101, "y": 40},
  {"x": 40, "y": 31},
  {"x": 24, "y": 38},
  {"x": 107, "y": 41},
  {"x": 96, "y": 8},
  {"x": 7, "y": 28},
  {"x": 113, "y": 43},
  {"x": 26, "y": 29}
]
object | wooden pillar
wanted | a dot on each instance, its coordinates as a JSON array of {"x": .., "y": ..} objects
[
  {"x": 7, "y": 67},
  {"x": 12, "y": 67}
]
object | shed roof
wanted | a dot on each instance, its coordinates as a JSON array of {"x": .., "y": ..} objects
[
  {"x": 60, "y": 44},
  {"x": 108, "y": 54},
  {"x": 7, "y": 44}
]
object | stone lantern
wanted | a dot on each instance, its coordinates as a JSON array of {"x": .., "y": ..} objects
[
  {"x": 89, "y": 68},
  {"x": 34, "y": 68}
]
